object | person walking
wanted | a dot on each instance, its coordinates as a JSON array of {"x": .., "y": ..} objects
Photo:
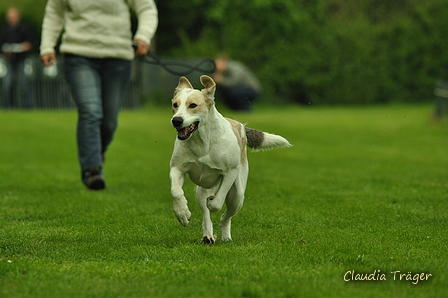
[
  {"x": 97, "y": 45},
  {"x": 15, "y": 44}
]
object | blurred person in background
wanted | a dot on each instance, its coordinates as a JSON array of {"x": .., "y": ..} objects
[
  {"x": 441, "y": 96},
  {"x": 15, "y": 44},
  {"x": 237, "y": 86},
  {"x": 97, "y": 45}
]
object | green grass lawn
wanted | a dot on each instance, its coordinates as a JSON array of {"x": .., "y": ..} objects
[{"x": 363, "y": 189}]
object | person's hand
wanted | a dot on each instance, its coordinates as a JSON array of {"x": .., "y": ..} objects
[
  {"x": 26, "y": 46},
  {"x": 48, "y": 59},
  {"x": 142, "y": 47}
]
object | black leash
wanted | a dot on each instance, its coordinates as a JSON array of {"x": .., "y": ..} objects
[{"x": 152, "y": 58}]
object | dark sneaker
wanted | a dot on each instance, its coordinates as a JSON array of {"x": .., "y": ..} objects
[{"x": 93, "y": 178}]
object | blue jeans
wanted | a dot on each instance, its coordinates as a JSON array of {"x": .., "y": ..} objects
[
  {"x": 16, "y": 69},
  {"x": 97, "y": 87}
]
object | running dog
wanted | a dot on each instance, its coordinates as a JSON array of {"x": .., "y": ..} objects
[{"x": 212, "y": 150}]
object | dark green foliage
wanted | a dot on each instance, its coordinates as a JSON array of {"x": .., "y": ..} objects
[
  {"x": 324, "y": 51},
  {"x": 318, "y": 51}
]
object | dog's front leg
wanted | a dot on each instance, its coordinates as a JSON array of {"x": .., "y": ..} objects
[
  {"x": 215, "y": 203},
  {"x": 180, "y": 203},
  {"x": 207, "y": 226}
]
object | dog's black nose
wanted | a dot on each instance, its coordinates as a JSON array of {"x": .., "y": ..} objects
[{"x": 177, "y": 121}]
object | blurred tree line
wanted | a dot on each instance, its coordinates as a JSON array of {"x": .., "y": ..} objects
[{"x": 311, "y": 51}]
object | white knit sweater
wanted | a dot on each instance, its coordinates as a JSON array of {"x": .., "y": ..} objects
[{"x": 97, "y": 28}]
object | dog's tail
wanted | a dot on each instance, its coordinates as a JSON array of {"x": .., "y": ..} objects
[{"x": 259, "y": 140}]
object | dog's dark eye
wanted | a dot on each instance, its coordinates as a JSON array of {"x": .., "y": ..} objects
[
  {"x": 192, "y": 106},
  {"x": 175, "y": 105}
]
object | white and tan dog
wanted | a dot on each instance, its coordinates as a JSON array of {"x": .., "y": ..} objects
[{"x": 212, "y": 150}]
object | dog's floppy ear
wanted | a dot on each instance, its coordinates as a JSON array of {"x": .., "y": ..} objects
[
  {"x": 210, "y": 86},
  {"x": 183, "y": 83}
]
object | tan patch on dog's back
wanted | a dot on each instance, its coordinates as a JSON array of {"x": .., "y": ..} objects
[{"x": 238, "y": 130}]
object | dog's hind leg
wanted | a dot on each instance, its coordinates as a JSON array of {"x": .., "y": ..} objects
[
  {"x": 234, "y": 202},
  {"x": 207, "y": 226},
  {"x": 214, "y": 203}
]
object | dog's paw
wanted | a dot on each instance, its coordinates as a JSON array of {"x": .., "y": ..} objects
[
  {"x": 184, "y": 219},
  {"x": 211, "y": 204},
  {"x": 208, "y": 240},
  {"x": 226, "y": 235},
  {"x": 226, "y": 238},
  {"x": 183, "y": 216}
]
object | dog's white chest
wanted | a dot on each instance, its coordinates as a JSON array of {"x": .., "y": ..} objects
[
  {"x": 207, "y": 171},
  {"x": 205, "y": 177}
]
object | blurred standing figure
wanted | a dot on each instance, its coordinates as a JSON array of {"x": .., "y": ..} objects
[
  {"x": 15, "y": 43},
  {"x": 441, "y": 95},
  {"x": 98, "y": 53},
  {"x": 238, "y": 87}
]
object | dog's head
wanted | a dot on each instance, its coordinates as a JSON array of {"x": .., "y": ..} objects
[{"x": 191, "y": 107}]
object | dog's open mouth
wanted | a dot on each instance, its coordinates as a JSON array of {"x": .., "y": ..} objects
[{"x": 185, "y": 132}]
